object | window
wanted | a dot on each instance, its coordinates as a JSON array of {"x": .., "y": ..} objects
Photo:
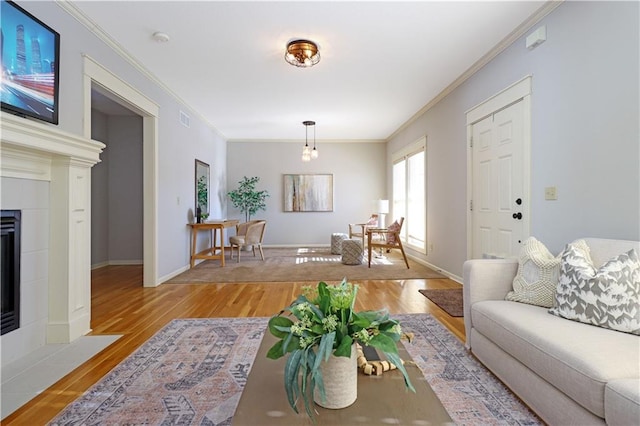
[{"x": 409, "y": 194}]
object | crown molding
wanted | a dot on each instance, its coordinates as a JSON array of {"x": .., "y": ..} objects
[
  {"x": 88, "y": 23},
  {"x": 518, "y": 32},
  {"x": 318, "y": 141}
]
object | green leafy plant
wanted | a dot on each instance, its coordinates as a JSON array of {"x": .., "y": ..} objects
[
  {"x": 247, "y": 199},
  {"x": 326, "y": 324},
  {"x": 203, "y": 193}
]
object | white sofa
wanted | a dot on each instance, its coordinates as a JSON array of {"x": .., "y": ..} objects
[{"x": 567, "y": 372}]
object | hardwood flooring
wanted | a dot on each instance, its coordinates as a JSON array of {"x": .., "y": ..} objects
[{"x": 120, "y": 305}]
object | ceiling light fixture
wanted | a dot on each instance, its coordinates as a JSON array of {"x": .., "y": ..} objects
[
  {"x": 302, "y": 53},
  {"x": 307, "y": 152},
  {"x": 160, "y": 37}
]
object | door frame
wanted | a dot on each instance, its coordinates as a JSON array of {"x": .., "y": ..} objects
[
  {"x": 518, "y": 91},
  {"x": 149, "y": 110}
]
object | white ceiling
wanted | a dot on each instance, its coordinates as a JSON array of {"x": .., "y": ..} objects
[{"x": 381, "y": 61}]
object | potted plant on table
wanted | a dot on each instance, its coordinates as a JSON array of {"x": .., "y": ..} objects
[{"x": 324, "y": 329}]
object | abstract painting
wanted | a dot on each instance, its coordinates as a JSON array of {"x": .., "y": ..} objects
[{"x": 308, "y": 193}]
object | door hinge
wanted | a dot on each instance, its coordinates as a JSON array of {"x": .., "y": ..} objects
[
  {"x": 471, "y": 205},
  {"x": 471, "y": 142}
]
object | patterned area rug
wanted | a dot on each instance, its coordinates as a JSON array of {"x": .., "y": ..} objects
[
  {"x": 302, "y": 264},
  {"x": 449, "y": 299},
  {"x": 192, "y": 372}
]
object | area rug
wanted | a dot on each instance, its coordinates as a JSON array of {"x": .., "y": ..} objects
[
  {"x": 449, "y": 299},
  {"x": 192, "y": 372},
  {"x": 302, "y": 264}
]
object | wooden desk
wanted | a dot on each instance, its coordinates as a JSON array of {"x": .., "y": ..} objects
[
  {"x": 382, "y": 400},
  {"x": 211, "y": 252}
]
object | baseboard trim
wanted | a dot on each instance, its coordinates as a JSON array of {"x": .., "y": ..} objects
[
  {"x": 436, "y": 268},
  {"x": 116, "y": 263}
]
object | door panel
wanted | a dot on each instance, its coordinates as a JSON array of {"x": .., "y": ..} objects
[{"x": 497, "y": 162}]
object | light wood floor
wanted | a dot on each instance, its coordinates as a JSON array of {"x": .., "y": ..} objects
[{"x": 120, "y": 305}]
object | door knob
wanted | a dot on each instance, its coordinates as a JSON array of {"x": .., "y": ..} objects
[
  {"x": 517, "y": 215},
  {"x": 519, "y": 201}
]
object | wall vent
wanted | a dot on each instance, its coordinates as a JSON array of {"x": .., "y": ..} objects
[{"x": 185, "y": 120}]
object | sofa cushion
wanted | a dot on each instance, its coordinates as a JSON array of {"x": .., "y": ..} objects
[
  {"x": 576, "y": 358},
  {"x": 536, "y": 281},
  {"x": 622, "y": 402},
  {"x": 606, "y": 297}
]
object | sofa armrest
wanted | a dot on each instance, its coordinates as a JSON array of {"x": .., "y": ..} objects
[{"x": 486, "y": 279}]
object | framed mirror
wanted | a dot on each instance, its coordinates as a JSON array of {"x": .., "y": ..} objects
[{"x": 202, "y": 187}]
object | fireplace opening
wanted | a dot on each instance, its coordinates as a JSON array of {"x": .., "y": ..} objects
[{"x": 10, "y": 257}]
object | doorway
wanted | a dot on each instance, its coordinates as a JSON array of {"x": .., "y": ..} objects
[
  {"x": 97, "y": 77},
  {"x": 499, "y": 133}
]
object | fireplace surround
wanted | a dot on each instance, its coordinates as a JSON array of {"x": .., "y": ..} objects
[{"x": 38, "y": 151}]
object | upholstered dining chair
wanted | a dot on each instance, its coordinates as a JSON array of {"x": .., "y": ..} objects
[
  {"x": 248, "y": 234},
  {"x": 359, "y": 230},
  {"x": 386, "y": 238}
]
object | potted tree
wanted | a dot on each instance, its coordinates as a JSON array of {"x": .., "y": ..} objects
[{"x": 247, "y": 199}]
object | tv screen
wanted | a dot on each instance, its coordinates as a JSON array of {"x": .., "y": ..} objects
[{"x": 30, "y": 53}]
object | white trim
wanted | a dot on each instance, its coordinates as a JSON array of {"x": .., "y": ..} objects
[
  {"x": 436, "y": 268},
  {"x": 519, "y": 91},
  {"x": 522, "y": 29},
  {"x": 413, "y": 148},
  {"x": 323, "y": 141},
  {"x": 149, "y": 110},
  {"x": 500, "y": 100}
]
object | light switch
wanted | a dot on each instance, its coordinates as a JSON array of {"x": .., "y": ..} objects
[{"x": 550, "y": 193}]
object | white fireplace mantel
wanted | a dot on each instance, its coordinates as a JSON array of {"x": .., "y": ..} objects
[{"x": 33, "y": 150}]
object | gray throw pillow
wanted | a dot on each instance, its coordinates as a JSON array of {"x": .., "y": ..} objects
[{"x": 608, "y": 297}]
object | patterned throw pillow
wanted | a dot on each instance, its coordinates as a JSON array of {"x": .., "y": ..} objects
[
  {"x": 608, "y": 297},
  {"x": 536, "y": 281},
  {"x": 391, "y": 238}
]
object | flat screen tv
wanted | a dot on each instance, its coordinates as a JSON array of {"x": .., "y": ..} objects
[{"x": 30, "y": 53}]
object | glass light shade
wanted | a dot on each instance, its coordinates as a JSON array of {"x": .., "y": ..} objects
[{"x": 314, "y": 153}]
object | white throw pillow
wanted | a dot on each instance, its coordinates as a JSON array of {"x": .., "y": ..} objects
[{"x": 536, "y": 281}]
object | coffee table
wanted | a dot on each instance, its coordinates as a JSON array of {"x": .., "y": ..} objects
[{"x": 382, "y": 400}]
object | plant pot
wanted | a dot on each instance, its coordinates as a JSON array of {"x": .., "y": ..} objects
[{"x": 340, "y": 378}]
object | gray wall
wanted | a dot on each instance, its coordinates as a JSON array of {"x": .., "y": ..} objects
[
  {"x": 585, "y": 132},
  {"x": 178, "y": 146},
  {"x": 358, "y": 175},
  {"x": 116, "y": 191}
]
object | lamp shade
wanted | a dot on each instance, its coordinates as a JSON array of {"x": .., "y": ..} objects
[{"x": 382, "y": 206}]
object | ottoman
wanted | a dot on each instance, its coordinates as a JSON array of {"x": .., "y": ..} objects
[
  {"x": 352, "y": 252},
  {"x": 336, "y": 242}
]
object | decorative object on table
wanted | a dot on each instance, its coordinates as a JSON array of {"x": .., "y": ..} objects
[
  {"x": 308, "y": 193},
  {"x": 371, "y": 364},
  {"x": 328, "y": 327},
  {"x": 247, "y": 199},
  {"x": 202, "y": 190},
  {"x": 382, "y": 208}
]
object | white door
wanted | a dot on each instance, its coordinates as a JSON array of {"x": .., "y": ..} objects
[{"x": 499, "y": 202}]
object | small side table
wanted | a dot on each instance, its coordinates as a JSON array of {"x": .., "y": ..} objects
[{"x": 210, "y": 253}]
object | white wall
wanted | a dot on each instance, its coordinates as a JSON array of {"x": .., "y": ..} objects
[
  {"x": 32, "y": 198},
  {"x": 585, "y": 132},
  {"x": 359, "y": 178}
]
